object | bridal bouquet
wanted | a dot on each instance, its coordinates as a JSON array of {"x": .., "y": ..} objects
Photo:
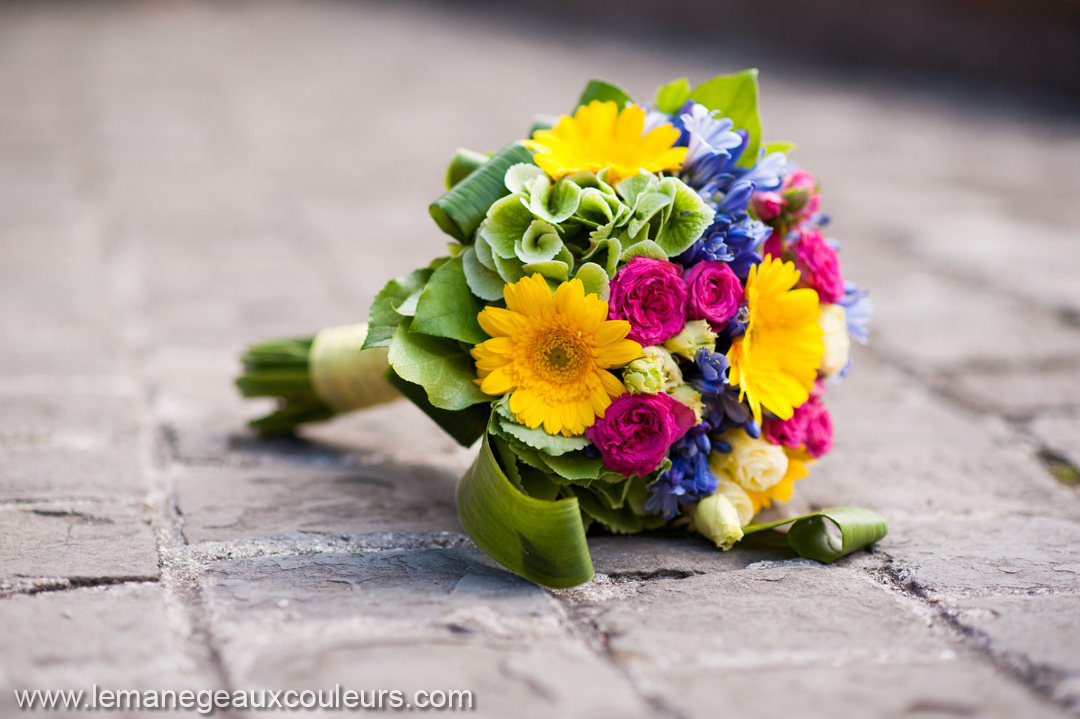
[{"x": 638, "y": 319}]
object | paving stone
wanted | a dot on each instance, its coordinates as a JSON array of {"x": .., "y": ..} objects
[
  {"x": 220, "y": 504},
  {"x": 870, "y": 689},
  {"x": 1042, "y": 629},
  {"x": 1021, "y": 393},
  {"x": 80, "y": 541},
  {"x": 947, "y": 555},
  {"x": 770, "y": 614},
  {"x": 638, "y": 557},
  {"x": 73, "y": 469},
  {"x": 117, "y": 637},
  {"x": 1060, "y": 434}
]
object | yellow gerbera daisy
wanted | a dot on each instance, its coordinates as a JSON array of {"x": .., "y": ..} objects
[
  {"x": 781, "y": 491},
  {"x": 553, "y": 353},
  {"x": 775, "y": 362},
  {"x": 599, "y": 136}
]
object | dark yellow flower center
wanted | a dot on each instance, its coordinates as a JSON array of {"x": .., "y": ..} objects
[{"x": 558, "y": 357}]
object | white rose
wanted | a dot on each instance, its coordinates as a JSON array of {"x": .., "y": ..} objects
[
  {"x": 755, "y": 464},
  {"x": 716, "y": 517},
  {"x": 726, "y": 486},
  {"x": 837, "y": 342}
]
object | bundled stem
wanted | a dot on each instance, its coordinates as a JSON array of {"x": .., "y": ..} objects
[{"x": 281, "y": 369}]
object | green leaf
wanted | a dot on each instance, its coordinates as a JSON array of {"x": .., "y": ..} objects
[
  {"x": 466, "y": 425},
  {"x": 536, "y": 437},
  {"x": 645, "y": 248},
  {"x": 669, "y": 98},
  {"x": 540, "y": 540},
  {"x": 607, "y": 254},
  {"x": 540, "y": 243},
  {"x": 459, "y": 212},
  {"x": 520, "y": 178},
  {"x": 595, "y": 280},
  {"x": 784, "y": 147},
  {"x": 447, "y": 308},
  {"x": 383, "y": 319},
  {"x": 736, "y": 97},
  {"x": 554, "y": 204},
  {"x": 830, "y": 533},
  {"x": 619, "y": 521},
  {"x": 483, "y": 282},
  {"x": 604, "y": 92},
  {"x": 685, "y": 220},
  {"x": 553, "y": 270},
  {"x": 574, "y": 466},
  {"x": 463, "y": 164},
  {"x": 507, "y": 222},
  {"x": 439, "y": 366}
]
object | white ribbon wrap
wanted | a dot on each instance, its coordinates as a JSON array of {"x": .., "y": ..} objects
[{"x": 344, "y": 377}]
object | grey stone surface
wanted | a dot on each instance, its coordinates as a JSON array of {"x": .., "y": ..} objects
[
  {"x": 985, "y": 555},
  {"x": 1040, "y": 628},
  {"x": 1060, "y": 434},
  {"x": 1022, "y": 392},
  {"x": 79, "y": 541}
]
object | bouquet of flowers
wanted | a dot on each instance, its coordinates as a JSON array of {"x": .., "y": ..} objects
[{"x": 638, "y": 318}]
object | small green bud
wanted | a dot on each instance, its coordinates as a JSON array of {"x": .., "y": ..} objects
[{"x": 694, "y": 336}]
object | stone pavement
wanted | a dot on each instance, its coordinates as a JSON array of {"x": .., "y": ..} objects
[{"x": 177, "y": 180}]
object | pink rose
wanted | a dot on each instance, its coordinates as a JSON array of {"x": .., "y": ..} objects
[
  {"x": 636, "y": 431},
  {"x": 715, "y": 293},
  {"x": 800, "y": 193},
  {"x": 787, "y": 432},
  {"x": 820, "y": 266},
  {"x": 819, "y": 429},
  {"x": 768, "y": 205},
  {"x": 651, "y": 296}
]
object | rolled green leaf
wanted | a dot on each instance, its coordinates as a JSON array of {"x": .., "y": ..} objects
[
  {"x": 461, "y": 209},
  {"x": 543, "y": 541},
  {"x": 463, "y": 164},
  {"x": 830, "y": 533}
]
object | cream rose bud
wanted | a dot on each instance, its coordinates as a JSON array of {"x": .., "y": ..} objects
[
  {"x": 694, "y": 336},
  {"x": 716, "y": 518},
  {"x": 836, "y": 339},
  {"x": 726, "y": 486},
  {"x": 755, "y": 464},
  {"x": 691, "y": 398},
  {"x": 655, "y": 371}
]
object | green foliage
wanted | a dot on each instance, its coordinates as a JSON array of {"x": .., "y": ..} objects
[
  {"x": 447, "y": 308},
  {"x": 736, "y": 97},
  {"x": 439, "y": 365},
  {"x": 604, "y": 92},
  {"x": 665, "y": 211},
  {"x": 784, "y": 147},
  {"x": 830, "y": 533},
  {"x": 670, "y": 97},
  {"x": 483, "y": 282},
  {"x": 463, "y": 164},
  {"x": 543, "y": 541},
  {"x": 595, "y": 280},
  {"x": 384, "y": 317},
  {"x": 466, "y": 425},
  {"x": 280, "y": 369},
  {"x": 459, "y": 212}
]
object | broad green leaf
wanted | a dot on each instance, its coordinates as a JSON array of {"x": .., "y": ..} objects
[
  {"x": 669, "y": 98},
  {"x": 736, "y": 97},
  {"x": 463, "y": 165},
  {"x": 613, "y": 493},
  {"x": 633, "y": 187},
  {"x": 536, "y": 437},
  {"x": 383, "y": 319},
  {"x": 484, "y": 283},
  {"x": 574, "y": 465},
  {"x": 552, "y": 270},
  {"x": 619, "y": 521},
  {"x": 648, "y": 207},
  {"x": 645, "y": 248},
  {"x": 540, "y": 243},
  {"x": 538, "y": 484},
  {"x": 408, "y": 307},
  {"x": 447, "y": 308},
  {"x": 540, "y": 540},
  {"x": 459, "y": 212},
  {"x": 784, "y": 147},
  {"x": 506, "y": 223},
  {"x": 466, "y": 426},
  {"x": 483, "y": 253},
  {"x": 830, "y": 533},
  {"x": 604, "y": 92},
  {"x": 439, "y": 366},
  {"x": 595, "y": 280},
  {"x": 606, "y": 253}
]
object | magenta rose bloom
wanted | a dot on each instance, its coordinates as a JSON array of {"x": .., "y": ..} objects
[
  {"x": 636, "y": 430},
  {"x": 819, "y": 429},
  {"x": 787, "y": 432},
  {"x": 820, "y": 266},
  {"x": 768, "y": 205},
  {"x": 715, "y": 293},
  {"x": 651, "y": 296},
  {"x": 774, "y": 246}
]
